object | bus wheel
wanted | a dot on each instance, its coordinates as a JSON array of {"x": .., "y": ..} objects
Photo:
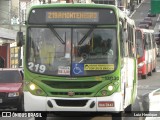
[
  {"x": 150, "y": 73},
  {"x": 144, "y": 76},
  {"x": 128, "y": 109},
  {"x": 154, "y": 70},
  {"x": 20, "y": 107}
]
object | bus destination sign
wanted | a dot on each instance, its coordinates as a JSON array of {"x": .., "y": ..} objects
[{"x": 72, "y": 16}]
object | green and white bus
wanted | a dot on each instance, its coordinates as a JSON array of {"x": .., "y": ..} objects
[{"x": 79, "y": 57}]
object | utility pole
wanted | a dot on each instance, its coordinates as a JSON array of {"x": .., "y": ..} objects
[
  {"x": 19, "y": 16},
  {"x": 20, "y": 48}
]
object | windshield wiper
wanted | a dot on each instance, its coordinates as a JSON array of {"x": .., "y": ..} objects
[
  {"x": 86, "y": 35},
  {"x": 56, "y": 34}
]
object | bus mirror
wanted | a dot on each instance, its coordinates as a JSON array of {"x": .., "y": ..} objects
[
  {"x": 125, "y": 24},
  {"x": 19, "y": 39}
]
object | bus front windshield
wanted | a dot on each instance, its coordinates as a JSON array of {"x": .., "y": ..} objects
[
  {"x": 72, "y": 51},
  {"x": 139, "y": 44}
]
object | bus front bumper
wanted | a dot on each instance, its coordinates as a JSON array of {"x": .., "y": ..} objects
[{"x": 111, "y": 103}]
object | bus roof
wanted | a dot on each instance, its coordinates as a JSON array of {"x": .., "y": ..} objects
[
  {"x": 146, "y": 30},
  {"x": 76, "y": 5}
]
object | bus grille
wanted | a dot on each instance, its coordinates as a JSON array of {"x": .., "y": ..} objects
[
  {"x": 71, "y": 84},
  {"x": 76, "y": 93},
  {"x": 73, "y": 103}
]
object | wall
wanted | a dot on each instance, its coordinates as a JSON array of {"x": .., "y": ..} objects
[{"x": 4, "y": 12}]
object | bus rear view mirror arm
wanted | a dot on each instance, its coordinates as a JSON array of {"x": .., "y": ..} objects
[{"x": 19, "y": 39}]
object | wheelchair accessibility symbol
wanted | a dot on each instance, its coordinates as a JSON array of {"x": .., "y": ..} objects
[{"x": 78, "y": 68}]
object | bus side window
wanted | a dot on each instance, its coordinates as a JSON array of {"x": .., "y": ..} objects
[
  {"x": 130, "y": 41},
  {"x": 122, "y": 42},
  {"x": 146, "y": 42}
]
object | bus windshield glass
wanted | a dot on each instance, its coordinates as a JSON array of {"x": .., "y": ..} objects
[
  {"x": 140, "y": 46},
  {"x": 72, "y": 51}
]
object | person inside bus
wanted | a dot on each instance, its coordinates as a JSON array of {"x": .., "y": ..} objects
[
  {"x": 102, "y": 46},
  {"x": 106, "y": 47},
  {"x": 93, "y": 47},
  {"x": 96, "y": 41}
]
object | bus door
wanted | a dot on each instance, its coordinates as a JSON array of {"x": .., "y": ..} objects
[
  {"x": 147, "y": 51},
  {"x": 140, "y": 45},
  {"x": 150, "y": 53},
  {"x": 129, "y": 64},
  {"x": 153, "y": 53}
]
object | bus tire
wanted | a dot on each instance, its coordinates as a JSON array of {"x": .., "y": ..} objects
[
  {"x": 144, "y": 76},
  {"x": 20, "y": 108},
  {"x": 150, "y": 73},
  {"x": 154, "y": 70},
  {"x": 128, "y": 109}
]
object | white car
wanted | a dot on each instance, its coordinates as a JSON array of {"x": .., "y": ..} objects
[{"x": 126, "y": 11}]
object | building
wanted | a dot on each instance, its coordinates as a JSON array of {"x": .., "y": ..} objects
[{"x": 7, "y": 36}]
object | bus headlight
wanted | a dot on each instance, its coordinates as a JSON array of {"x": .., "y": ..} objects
[
  {"x": 108, "y": 89},
  {"x": 140, "y": 64},
  {"x": 35, "y": 90},
  {"x": 32, "y": 87}
]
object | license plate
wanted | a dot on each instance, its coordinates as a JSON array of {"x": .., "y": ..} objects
[
  {"x": 1, "y": 101},
  {"x": 106, "y": 104}
]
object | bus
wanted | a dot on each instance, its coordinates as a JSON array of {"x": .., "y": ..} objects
[
  {"x": 146, "y": 50},
  {"x": 79, "y": 57},
  {"x": 111, "y": 2}
]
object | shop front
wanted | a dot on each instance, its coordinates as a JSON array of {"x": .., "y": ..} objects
[{"x": 7, "y": 37}]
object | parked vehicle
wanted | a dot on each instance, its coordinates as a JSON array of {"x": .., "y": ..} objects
[
  {"x": 11, "y": 95},
  {"x": 150, "y": 14},
  {"x": 145, "y": 22},
  {"x": 148, "y": 20},
  {"x": 145, "y": 26},
  {"x": 151, "y": 101}
]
